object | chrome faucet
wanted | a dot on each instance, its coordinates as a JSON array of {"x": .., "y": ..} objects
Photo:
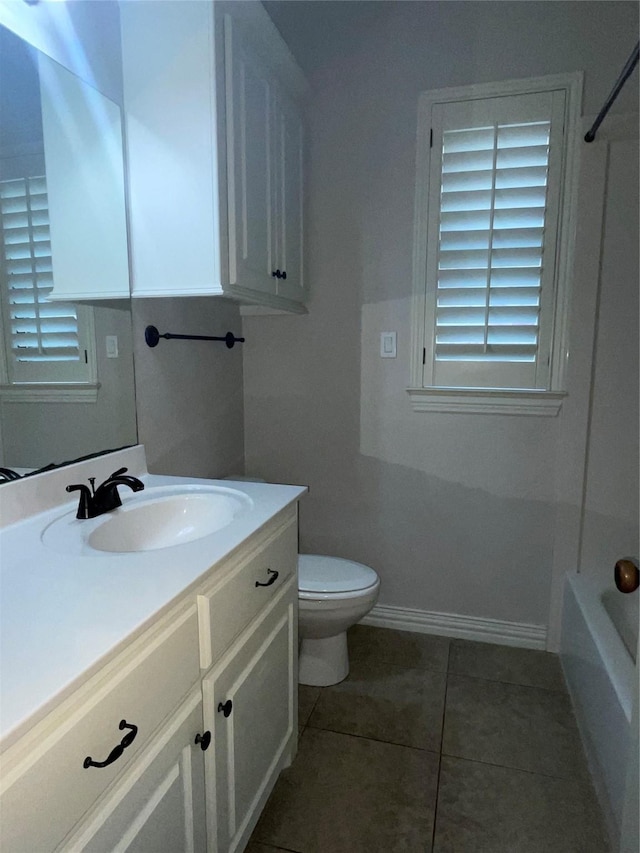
[{"x": 94, "y": 502}]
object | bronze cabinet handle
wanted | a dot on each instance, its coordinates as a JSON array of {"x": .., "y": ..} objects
[
  {"x": 626, "y": 575},
  {"x": 273, "y": 577},
  {"x": 117, "y": 751}
]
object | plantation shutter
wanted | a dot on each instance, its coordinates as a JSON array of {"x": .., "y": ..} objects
[
  {"x": 494, "y": 203},
  {"x": 44, "y": 341}
]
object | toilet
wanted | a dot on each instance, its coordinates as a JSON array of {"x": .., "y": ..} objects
[{"x": 333, "y": 594}]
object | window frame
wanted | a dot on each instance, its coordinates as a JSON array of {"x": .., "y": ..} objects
[
  {"x": 54, "y": 385},
  {"x": 547, "y": 401}
]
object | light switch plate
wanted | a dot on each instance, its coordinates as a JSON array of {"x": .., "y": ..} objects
[
  {"x": 112, "y": 346},
  {"x": 387, "y": 344}
]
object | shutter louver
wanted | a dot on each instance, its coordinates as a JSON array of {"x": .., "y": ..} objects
[
  {"x": 41, "y": 331},
  {"x": 491, "y": 242}
]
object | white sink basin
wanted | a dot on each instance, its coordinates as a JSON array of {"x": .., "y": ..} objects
[{"x": 159, "y": 518}]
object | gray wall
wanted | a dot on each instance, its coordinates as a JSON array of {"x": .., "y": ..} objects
[
  {"x": 455, "y": 512},
  {"x": 189, "y": 393}
]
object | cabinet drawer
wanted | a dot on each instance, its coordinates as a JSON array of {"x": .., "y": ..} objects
[
  {"x": 48, "y": 789},
  {"x": 229, "y": 607}
]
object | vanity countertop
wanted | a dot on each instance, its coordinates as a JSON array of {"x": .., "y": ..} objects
[{"x": 62, "y": 613}]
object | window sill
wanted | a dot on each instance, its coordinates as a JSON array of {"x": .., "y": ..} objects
[
  {"x": 474, "y": 401},
  {"x": 49, "y": 393}
]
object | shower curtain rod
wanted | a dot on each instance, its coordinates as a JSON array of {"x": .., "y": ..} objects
[{"x": 622, "y": 79}]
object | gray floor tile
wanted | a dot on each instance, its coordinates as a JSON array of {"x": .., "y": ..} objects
[
  {"x": 486, "y": 809},
  {"x": 347, "y": 794},
  {"x": 307, "y": 698},
  {"x": 387, "y": 703},
  {"x": 505, "y": 663},
  {"x": 402, "y": 648},
  {"x": 514, "y": 726}
]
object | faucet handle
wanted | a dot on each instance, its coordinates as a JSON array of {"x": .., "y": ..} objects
[{"x": 117, "y": 473}]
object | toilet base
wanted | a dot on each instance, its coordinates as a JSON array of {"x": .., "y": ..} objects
[{"x": 323, "y": 662}]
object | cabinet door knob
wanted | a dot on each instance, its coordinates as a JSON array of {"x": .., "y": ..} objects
[
  {"x": 117, "y": 751},
  {"x": 204, "y": 740},
  {"x": 284, "y": 274},
  {"x": 278, "y": 274},
  {"x": 226, "y": 707}
]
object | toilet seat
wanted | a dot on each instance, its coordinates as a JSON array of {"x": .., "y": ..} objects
[{"x": 321, "y": 576}]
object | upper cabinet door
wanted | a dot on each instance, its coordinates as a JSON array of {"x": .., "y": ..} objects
[
  {"x": 288, "y": 204},
  {"x": 171, "y": 113},
  {"x": 249, "y": 164}
]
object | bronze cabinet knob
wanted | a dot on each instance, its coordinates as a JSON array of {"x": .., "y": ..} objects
[{"x": 626, "y": 575}]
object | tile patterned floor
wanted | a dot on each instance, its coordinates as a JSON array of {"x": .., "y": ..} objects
[{"x": 435, "y": 746}]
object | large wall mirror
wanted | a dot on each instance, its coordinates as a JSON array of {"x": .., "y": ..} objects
[{"x": 66, "y": 350}]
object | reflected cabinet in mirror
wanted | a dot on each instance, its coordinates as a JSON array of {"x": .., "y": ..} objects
[{"x": 66, "y": 360}]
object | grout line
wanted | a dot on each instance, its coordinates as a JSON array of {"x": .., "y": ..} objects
[
  {"x": 444, "y": 711},
  {"x": 275, "y": 846},
  {"x": 577, "y": 778},
  {"x": 313, "y": 707},
  {"x": 561, "y": 690},
  {"x": 394, "y": 664},
  {"x": 373, "y": 739}
]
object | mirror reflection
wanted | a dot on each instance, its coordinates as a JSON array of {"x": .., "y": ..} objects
[{"x": 66, "y": 360}]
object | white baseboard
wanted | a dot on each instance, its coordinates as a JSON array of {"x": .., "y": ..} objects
[{"x": 460, "y": 627}]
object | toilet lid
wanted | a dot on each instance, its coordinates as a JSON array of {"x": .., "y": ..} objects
[{"x": 333, "y": 574}]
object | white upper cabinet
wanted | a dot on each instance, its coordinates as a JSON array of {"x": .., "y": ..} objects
[{"x": 214, "y": 145}]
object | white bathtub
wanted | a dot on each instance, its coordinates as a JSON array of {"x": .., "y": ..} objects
[{"x": 600, "y": 673}]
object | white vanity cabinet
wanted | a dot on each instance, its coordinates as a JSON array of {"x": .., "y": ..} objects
[
  {"x": 198, "y": 712},
  {"x": 214, "y": 147}
]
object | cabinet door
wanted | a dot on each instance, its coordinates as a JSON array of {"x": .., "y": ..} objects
[
  {"x": 256, "y": 689},
  {"x": 169, "y": 80},
  {"x": 288, "y": 205},
  {"x": 249, "y": 164},
  {"x": 159, "y": 805}
]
